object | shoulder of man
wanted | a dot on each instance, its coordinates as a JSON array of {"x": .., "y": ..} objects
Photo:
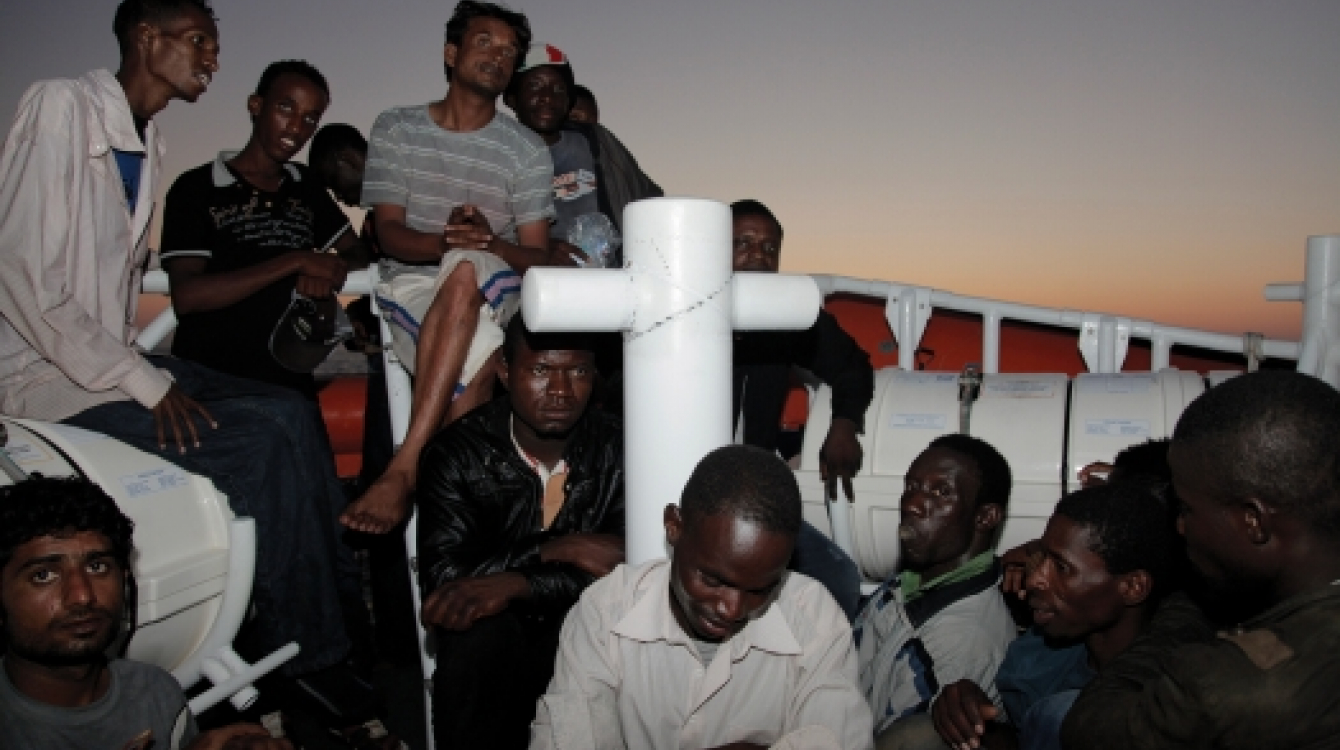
[
  {"x": 517, "y": 135},
  {"x": 197, "y": 179},
  {"x": 808, "y": 608}
]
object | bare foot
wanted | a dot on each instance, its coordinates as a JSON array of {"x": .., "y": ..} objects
[{"x": 383, "y": 506}]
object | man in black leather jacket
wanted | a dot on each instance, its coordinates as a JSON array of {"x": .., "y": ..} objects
[{"x": 521, "y": 507}]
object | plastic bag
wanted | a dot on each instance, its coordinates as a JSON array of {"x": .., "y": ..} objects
[{"x": 595, "y": 234}]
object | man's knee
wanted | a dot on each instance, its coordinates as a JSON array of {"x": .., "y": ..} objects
[
  {"x": 460, "y": 289},
  {"x": 916, "y": 732}
]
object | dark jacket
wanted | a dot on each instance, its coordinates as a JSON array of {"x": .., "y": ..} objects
[
  {"x": 620, "y": 180},
  {"x": 763, "y": 361},
  {"x": 1272, "y": 683},
  {"x": 480, "y": 503}
]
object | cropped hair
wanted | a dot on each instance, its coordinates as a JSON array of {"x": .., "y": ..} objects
[
  {"x": 1129, "y": 528},
  {"x": 1146, "y": 463},
  {"x": 746, "y": 482},
  {"x": 581, "y": 92},
  {"x": 297, "y": 67},
  {"x": 50, "y": 506},
  {"x": 1269, "y": 435},
  {"x": 994, "y": 480},
  {"x": 751, "y": 207},
  {"x": 331, "y": 139},
  {"x": 543, "y": 342},
  {"x": 132, "y": 13},
  {"x": 468, "y": 9}
]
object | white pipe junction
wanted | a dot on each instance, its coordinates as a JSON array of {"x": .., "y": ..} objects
[{"x": 678, "y": 304}]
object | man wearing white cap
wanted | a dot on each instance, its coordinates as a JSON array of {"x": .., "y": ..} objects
[{"x": 593, "y": 171}]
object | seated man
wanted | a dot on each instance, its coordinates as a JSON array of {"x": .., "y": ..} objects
[
  {"x": 460, "y": 198},
  {"x": 239, "y": 235},
  {"x": 941, "y": 619},
  {"x": 718, "y": 647},
  {"x": 522, "y": 507},
  {"x": 593, "y": 172},
  {"x": 584, "y": 106},
  {"x": 337, "y": 158},
  {"x": 762, "y": 376},
  {"x": 1258, "y": 478},
  {"x": 78, "y": 174},
  {"x": 64, "y": 572},
  {"x": 1106, "y": 558}
]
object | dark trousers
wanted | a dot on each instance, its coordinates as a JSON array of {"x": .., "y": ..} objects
[
  {"x": 270, "y": 455},
  {"x": 489, "y": 679}
]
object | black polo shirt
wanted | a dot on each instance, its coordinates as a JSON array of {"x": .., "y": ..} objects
[{"x": 212, "y": 213}]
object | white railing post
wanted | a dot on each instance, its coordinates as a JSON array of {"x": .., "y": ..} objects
[{"x": 991, "y": 341}]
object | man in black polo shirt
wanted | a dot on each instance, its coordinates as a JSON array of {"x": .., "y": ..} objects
[{"x": 239, "y": 235}]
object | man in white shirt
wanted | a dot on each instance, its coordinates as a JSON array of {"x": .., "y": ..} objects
[
  {"x": 718, "y": 647},
  {"x": 78, "y": 174}
]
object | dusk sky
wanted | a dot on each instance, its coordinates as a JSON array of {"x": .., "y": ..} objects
[{"x": 1161, "y": 159}]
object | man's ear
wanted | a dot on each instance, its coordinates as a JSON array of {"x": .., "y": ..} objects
[
  {"x": 504, "y": 373},
  {"x": 1134, "y": 587},
  {"x": 988, "y": 517},
  {"x": 254, "y": 104},
  {"x": 674, "y": 524},
  {"x": 145, "y": 33},
  {"x": 449, "y": 53},
  {"x": 1257, "y": 520}
]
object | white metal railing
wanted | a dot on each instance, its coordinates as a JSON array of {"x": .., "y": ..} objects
[{"x": 1103, "y": 338}]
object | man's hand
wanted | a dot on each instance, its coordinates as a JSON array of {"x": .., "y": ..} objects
[
  {"x": 1094, "y": 474},
  {"x": 840, "y": 456},
  {"x": 1018, "y": 563},
  {"x": 596, "y": 554},
  {"x": 567, "y": 254},
  {"x": 456, "y": 605},
  {"x": 467, "y": 229},
  {"x": 320, "y": 274},
  {"x": 239, "y": 737},
  {"x": 960, "y": 714},
  {"x": 179, "y": 412}
]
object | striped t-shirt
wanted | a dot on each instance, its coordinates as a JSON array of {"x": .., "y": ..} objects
[{"x": 503, "y": 168}]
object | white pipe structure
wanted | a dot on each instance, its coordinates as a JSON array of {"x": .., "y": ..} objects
[
  {"x": 1321, "y": 309},
  {"x": 215, "y": 658},
  {"x": 678, "y": 304}
]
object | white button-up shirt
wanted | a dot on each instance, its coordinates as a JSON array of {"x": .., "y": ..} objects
[
  {"x": 628, "y": 676},
  {"x": 71, "y": 253}
]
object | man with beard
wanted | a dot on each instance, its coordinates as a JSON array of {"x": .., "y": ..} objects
[
  {"x": 1258, "y": 478},
  {"x": 1106, "y": 557},
  {"x": 64, "y": 570},
  {"x": 239, "y": 235},
  {"x": 460, "y": 196},
  {"x": 719, "y": 647},
  {"x": 522, "y": 508},
  {"x": 941, "y": 618}
]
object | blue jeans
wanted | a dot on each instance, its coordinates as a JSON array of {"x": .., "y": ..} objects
[
  {"x": 819, "y": 558},
  {"x": 1041, "y": 727},
  {"x": 271, "y": 457}
]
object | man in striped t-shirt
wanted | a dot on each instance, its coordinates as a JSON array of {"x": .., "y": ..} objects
[{"x": 461, "y": 201}]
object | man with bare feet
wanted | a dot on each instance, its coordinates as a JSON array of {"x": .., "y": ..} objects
[{"x": 461, "y": 201}]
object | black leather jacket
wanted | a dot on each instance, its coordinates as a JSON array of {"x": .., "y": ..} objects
[{"x": 479, "y": 503}]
